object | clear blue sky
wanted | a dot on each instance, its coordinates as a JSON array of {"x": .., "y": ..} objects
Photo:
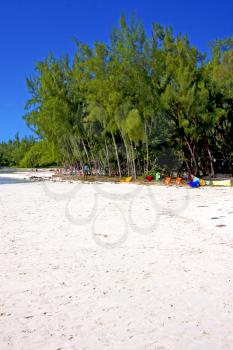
[{"x": 30, "y": 29}]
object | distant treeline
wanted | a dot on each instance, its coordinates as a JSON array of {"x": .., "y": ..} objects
[
  {"x": 26, "y": 152},
  {"x": 126, "y": 104}
]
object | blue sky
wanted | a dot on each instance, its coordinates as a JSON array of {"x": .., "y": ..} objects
[{"x": 31, "y": 29}]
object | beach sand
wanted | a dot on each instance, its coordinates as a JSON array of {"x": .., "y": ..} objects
[{"x": 115, "y": 266}]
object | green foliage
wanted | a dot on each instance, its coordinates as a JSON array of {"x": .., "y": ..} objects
[
  {"x": 39, "y": 155},
  {"x": 155, "y": 173},
  {"x": 134, "y": 126},
  {"x": 26, "y": 153},
  {"x": 13, "y": 151},
  {"x": 119, "y": 106}
]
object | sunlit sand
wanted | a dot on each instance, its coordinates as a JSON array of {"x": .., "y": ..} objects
[{"x": 115, "y": 266}]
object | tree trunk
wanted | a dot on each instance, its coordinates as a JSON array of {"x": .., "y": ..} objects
[
  {"x": 211, "y": 162},
  {"x": 188, "y": 167},
  {"x": 91, "y": 150},
  {"x": 147, "y": 156},
  {"x": 107, "y": 156},
  {"x": 147, "y": 150},
  {"x": 86, "y": 152},
  {"x": 117, "y": 157},
  {"x": 127, "y": 155},
  {"x": 192, "y": 155},
  {"x": 133, "y": 161},
  {"x": 79, "y": 152}
]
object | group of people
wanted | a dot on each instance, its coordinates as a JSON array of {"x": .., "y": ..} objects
[
  {"x": 79, "y": 170},
  {"x": 74, "y": 169}
]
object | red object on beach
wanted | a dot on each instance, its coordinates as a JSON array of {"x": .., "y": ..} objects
[{"x": 149, "y": 178}]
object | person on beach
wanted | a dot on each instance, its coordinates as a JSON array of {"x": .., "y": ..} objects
[{"x": 85, "y": 170}]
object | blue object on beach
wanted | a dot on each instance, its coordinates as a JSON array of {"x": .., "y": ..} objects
[{"x": 194, "y": 184}]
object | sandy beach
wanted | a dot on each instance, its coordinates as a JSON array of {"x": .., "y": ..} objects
[{"x": 115, "y": 266}]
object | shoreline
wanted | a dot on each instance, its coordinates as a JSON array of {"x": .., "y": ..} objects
[{"x": 32, "y": 175}]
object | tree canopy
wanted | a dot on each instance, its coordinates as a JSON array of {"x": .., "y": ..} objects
[{"x": 120, "y": 105}]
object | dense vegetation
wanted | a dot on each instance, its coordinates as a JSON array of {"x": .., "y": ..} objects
[
  {"x": 26, "y": 152},
  {"x": 133, "y": 104}
]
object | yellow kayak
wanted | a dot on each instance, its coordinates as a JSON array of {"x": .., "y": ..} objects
[{"x": 127, "y": 179}]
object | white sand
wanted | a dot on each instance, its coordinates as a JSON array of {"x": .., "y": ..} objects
[{"x": 119, "y": 267}]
